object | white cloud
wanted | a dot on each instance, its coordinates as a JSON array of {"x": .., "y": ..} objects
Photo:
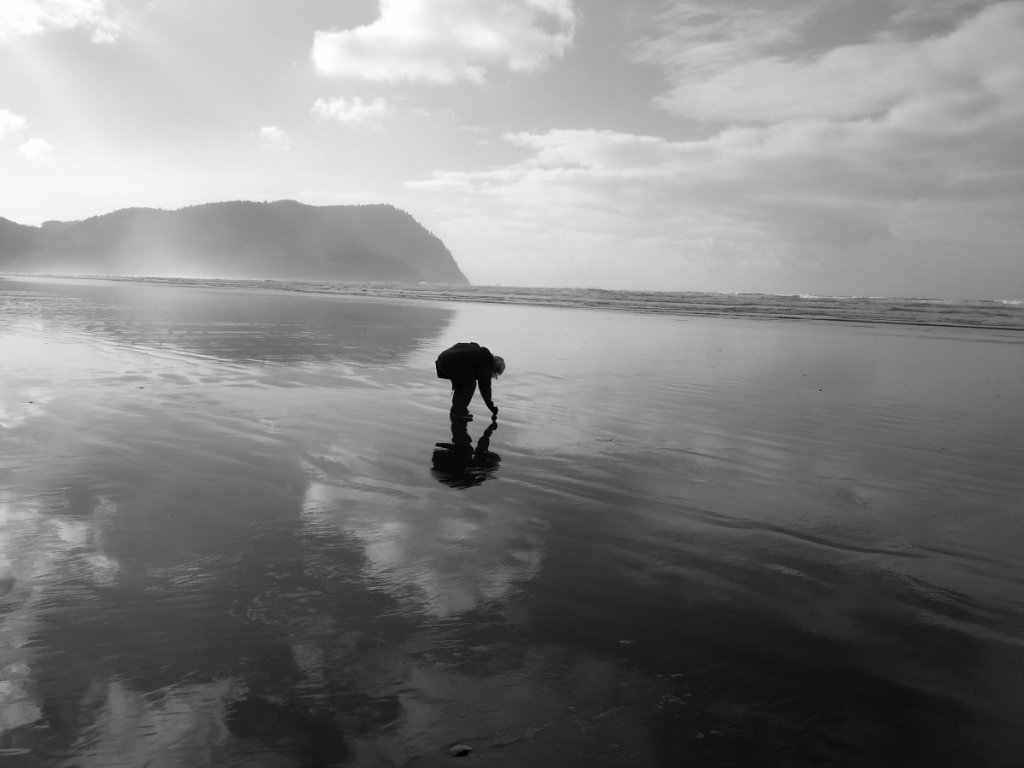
[
  {"x": 274, "y": 137},
  {"x": 444, "y": 41},
  {"x": 926, "y": 12},
  {"x": 927, "y": 157},
  {"x": 36, "y": 150},
  {"x": 740, "y": 70},
  {"x": 695, "y": 39},
  {"x": 800, "y": 182},
  {"x": 353, "y": 111},
  {"x": 32, "y": 17},
  {"x": 10, "y": 123},
  {"x": 757, "y": 186}
]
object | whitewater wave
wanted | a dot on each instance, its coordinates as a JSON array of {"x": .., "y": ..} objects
[{"x": 988, "y": 313}]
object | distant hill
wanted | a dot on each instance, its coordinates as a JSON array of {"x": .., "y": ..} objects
[{"x": 279, "y": 240}]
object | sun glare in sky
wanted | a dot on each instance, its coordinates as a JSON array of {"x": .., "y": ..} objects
[{"x": 798, "y": 146}]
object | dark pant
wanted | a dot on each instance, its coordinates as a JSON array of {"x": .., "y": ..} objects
[
  {"x": 463, "y": 384},
  {"x": 462, "y": 392}
]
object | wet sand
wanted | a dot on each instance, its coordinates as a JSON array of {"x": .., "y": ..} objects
[{"x": 226, "y": 537}]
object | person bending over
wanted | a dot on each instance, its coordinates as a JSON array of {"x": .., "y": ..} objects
[{"x": 467, "y": 365}]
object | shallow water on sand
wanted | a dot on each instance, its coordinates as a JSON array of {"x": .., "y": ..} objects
[{"x": 228, "y": 537}]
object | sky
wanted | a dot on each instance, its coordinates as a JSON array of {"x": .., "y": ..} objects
[{"x": 830, "y": 147}]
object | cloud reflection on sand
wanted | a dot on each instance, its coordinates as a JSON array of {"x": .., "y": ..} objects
[
  {"x": 180, "y": 725},
  {"x": 443, "y": 559},
  {"x": 158, "y": 587},
  {"x": 38, "y": 554},
  {"x": 23, "y": 561}
]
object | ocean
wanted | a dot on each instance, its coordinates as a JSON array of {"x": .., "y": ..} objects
[
  {"x": 970, "y": 313},
  {"x": 703, "y": 530}
]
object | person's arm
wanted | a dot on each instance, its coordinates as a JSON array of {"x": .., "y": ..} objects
[
  {"x": 484, "y": 382},
  {"x": 483, "y": 364}
]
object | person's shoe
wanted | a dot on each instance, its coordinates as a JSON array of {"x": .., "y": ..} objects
[{"x": 462, "y": 417}]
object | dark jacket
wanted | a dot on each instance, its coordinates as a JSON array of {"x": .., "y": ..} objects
[{"x": 468, "y": 360}]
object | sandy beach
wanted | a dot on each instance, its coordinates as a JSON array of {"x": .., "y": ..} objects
[{"x": 225, "y": 539}]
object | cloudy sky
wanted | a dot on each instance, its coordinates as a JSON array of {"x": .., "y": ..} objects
[{"x": 797, "y": 146}]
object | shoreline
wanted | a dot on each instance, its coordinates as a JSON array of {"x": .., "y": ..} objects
[{"x": 866, "y": 310}]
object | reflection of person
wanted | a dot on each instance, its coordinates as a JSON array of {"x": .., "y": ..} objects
[
  {"x": 467, "y": 364},
  {"x": 458, "y": 464}
]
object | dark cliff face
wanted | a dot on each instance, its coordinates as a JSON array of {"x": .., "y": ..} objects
[{"x": 282, "y": 240}]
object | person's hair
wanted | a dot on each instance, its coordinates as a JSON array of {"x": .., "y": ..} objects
[{"x": 498, "y": 368}]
